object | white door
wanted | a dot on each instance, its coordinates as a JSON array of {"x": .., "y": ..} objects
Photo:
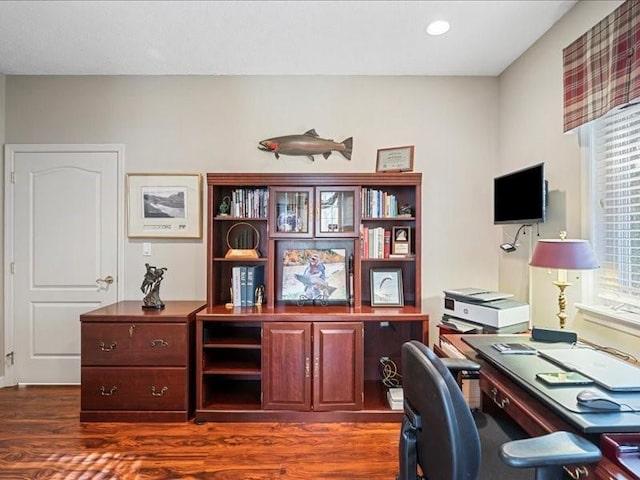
[{"x": 62, "y": 231}]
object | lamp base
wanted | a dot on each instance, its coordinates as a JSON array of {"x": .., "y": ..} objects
[{"x": 562, "y": 303}]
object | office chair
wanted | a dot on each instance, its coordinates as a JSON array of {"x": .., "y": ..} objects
[{"x": 445, "y": 440}]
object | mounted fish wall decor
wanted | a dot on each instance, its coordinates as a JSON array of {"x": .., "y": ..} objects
[{"x": 308, "y": 144}]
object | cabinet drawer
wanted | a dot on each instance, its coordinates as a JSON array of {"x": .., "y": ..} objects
[
  {"x": 134, "y": 344},
  {"x": 114, "y": 388}
]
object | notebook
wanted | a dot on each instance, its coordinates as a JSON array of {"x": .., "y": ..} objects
[{"x": 605, "y": 370}]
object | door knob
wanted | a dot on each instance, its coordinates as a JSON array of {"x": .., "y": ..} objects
[{"x": 108, "y": 280}]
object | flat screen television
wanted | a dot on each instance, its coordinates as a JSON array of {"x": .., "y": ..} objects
[{"x": 520, "y": 196}]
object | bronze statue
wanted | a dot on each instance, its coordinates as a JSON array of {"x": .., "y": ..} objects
[{"x": 151, "y": 287}]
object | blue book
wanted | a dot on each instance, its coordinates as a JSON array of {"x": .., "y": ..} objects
[
  {"x": 255, "y": 278},
  {"x": 243, "y": 286}
]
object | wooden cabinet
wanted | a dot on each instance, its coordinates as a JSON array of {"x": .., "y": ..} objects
[
  {"x": 311, "y": 351},
  {"x": 137, "y": 365},
  {"x": 313, "y": 366}
]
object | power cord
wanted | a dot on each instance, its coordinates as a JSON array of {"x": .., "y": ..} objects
[{"x": 389, "y": 373}]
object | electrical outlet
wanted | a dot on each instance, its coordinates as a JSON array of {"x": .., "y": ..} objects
[{"x": 384, "y": 324}]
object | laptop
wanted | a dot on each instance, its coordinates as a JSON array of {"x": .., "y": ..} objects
[{"x": 606, "y": 370}]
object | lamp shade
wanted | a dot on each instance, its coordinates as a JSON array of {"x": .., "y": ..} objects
[{"x": 569, "y": 254}]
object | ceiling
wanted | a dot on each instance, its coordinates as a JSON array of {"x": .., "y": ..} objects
[{"x": 268, "y": 37}]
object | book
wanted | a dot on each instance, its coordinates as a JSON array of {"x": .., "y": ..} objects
[
  {"x": 255, "y": 278},
  {"x": 243, "y": 286},
  {"x": 387, "y": 243},
  {"x": 514, "y": 348},
  {"x": 235, "y": 286}
]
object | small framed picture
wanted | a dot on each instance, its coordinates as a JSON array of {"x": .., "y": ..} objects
[
  {"x": 401, "y": 241},
  {"x": 164, "y": 205},
  {"x": 395, "y": 159},
  {"x": 386, "y": 287}
]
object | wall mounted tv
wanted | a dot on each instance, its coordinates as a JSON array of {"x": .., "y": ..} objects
[{"x": 520, "y": 196}]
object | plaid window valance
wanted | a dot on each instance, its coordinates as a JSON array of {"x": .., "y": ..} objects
[{"x": 602, "y": 67}]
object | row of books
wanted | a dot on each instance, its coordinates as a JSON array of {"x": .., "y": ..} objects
[
  {"x": 377, "y": 204},
  {"x": 375, "y": 242},
  {"x": 245, "y": 281},
  {"x": 249, "y": 203}
]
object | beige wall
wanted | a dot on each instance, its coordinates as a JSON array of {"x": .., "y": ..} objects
[
  {"x": 530, "y": 131},
  {"x": 213, "y": 124},
  {"x": 2, "y": 137}
]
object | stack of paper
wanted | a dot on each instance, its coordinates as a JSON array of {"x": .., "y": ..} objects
[{"x": 395, "y": 398}]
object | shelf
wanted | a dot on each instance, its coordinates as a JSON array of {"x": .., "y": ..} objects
[
  {"x": 229, "y": 218},
  {"x": 234, "y": 342},
  {"x": 387, "y": 219},
  {"x": 232, "y": 368}
]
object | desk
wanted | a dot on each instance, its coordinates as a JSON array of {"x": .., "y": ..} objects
[{"x": 501, "y": 395}]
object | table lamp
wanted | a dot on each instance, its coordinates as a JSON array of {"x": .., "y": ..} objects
[{"x": 563, "y": 254}]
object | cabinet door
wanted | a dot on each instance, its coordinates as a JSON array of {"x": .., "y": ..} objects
[
  {"x": 291, "y": 212},
  {"x": 337, "y": 212},
  {"x": 338, "y": 366},
  {"x": 286, "y": 366}
]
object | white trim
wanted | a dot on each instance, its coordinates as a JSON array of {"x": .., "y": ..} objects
[
  {"x": 10, "y": 151},
  {"x": 622, "y": 321}
]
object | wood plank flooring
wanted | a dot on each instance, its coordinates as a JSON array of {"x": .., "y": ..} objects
[{"x": 41, "y": 437}]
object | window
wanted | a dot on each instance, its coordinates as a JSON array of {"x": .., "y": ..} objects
[{"x": 615, "y": 207}]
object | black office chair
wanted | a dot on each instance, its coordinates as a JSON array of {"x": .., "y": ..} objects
[{"x": 442, "y": 439}]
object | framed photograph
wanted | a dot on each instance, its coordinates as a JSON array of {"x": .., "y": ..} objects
[
  {"x": 164, "y": 205},
  {"x": 395, "y": 159},
  {"x": 386, "y": 287},
  {"x": 401, "y": 240},
  {"x": 313, "y": 275}
]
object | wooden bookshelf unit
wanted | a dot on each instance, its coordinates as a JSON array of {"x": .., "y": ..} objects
[{"x": 311, "y": 351}]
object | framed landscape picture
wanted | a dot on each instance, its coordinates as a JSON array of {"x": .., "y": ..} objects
[{"x": 164, "y": 205}]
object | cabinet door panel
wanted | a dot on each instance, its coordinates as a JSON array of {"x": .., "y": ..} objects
[
  {"x": 338, "y": 366},
  {"x": 286, "y": 366}
]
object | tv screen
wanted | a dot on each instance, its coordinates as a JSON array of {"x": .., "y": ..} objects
[{"x": 520, "y": 196}]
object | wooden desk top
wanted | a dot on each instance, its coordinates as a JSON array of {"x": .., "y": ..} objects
[{"x": 501, "y": 394}]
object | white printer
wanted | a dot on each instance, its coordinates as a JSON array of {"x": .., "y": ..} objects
[{"x": 494, "y": 309}]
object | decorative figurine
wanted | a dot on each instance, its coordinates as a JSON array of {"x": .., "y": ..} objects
[
  {"x": 151, "y": 287},
  {"x": 259, "y": 295},
  {"x": 223, "y": 209},
  {"x": 405, "y": 210},
  {"x": 308, "y": 144}
]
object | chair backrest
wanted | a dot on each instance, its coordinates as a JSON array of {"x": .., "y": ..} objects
[{"x": 447, "y": 444}]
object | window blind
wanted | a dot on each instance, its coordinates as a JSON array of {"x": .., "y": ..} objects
[{"x": 617, "y": 209}]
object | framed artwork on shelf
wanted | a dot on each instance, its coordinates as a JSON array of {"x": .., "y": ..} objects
[
  {"x": 401, "y": 241},
  {"x": 164, "y": 205},
  {"x": 311, "y": 274},
  {"x": 386, "y": 287},
  {"x": 292, "y": 212},
  {"x": 395, "y": 159}
]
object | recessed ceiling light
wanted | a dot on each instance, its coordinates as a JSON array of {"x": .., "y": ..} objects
[{"x": 438, "y": 27}]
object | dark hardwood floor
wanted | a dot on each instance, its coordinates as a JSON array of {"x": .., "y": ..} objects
[{"x": 41, "y": 437}]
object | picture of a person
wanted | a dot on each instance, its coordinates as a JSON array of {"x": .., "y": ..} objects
[{"x": 316, "y": 270}]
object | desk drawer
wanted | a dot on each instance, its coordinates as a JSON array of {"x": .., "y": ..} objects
[
  {"x": 134, "y": 344},
  {"x": 121, "y": 388}
]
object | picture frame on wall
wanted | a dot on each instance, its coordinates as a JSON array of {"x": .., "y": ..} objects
[
  {"x": 386, "y": 287},
  {"x": 395, "y": 159},
  {"x": 164, "y": 205}
]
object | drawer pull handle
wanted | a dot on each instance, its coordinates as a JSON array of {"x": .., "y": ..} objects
[
  {"x": 160, "y": 393},
  {"x": 108, "y": 348},
  {"x": 107, "y": 393},
  {"x": 159, "y": 342},
  {"x": 500, "y": 403},
  {"x": 577, "y": 472},
  {"x": 131, "y": 329},
  {"x": 307, "y": 367}
]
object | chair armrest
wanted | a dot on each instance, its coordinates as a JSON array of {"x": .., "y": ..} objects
[
  {"x": 456, "y": 365},
  {"x": 557, "y": 448}
]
